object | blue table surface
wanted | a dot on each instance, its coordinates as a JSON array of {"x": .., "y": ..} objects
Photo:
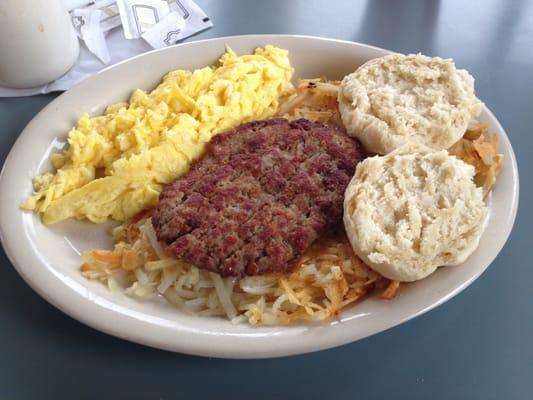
[{"x": 478, "y": 345}]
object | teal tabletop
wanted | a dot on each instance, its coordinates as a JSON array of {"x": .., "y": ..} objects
[{"x": 479, "y": 345}]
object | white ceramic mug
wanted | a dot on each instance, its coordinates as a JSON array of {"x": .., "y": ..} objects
[{"x": 37, "y": 42}]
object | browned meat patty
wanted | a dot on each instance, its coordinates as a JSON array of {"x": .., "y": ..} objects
[{"x": 261, "y": 195}]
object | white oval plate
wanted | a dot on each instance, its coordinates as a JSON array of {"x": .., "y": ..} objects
[{"x": 47, "y": 257}]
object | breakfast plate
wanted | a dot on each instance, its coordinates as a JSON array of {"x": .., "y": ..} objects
[{"x": 48, "y": 257}]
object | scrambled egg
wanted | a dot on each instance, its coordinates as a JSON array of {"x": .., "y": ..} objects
[{"x": 116, "y": 164}]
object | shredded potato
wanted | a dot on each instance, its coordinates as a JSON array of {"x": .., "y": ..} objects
[
  {"x": 327, "y": 278},
  {"x": 480, "y": 149},
  {"x": 314, "y": 99},
  {"x": 390, "y": 291}
]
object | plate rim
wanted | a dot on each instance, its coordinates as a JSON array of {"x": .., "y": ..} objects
[{"x": 100, "y": 323}]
